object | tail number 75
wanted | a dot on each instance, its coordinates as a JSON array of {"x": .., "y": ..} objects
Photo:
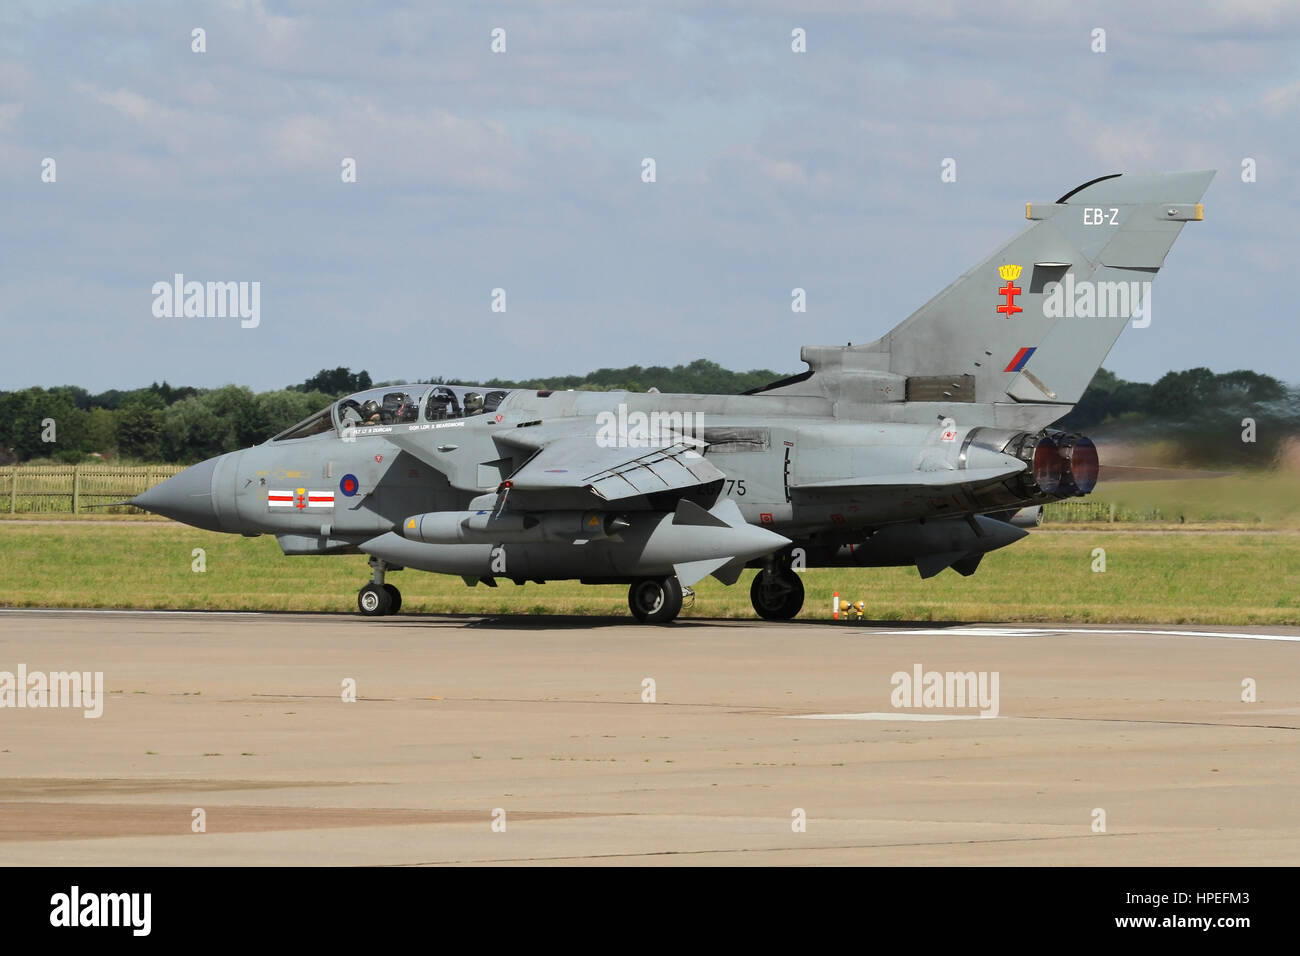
[{"x": 737, "y": 486}]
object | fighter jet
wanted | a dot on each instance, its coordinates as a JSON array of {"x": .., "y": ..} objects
[{"x": 919, "y": 448}]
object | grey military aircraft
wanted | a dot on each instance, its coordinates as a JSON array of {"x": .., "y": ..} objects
[{"x": 919, "y": 448}]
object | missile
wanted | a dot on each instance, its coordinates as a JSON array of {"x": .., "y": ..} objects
[
  {"x": 1030, "y": 517},
  {"x": 689, "y": 542},
  {"x": 691, "y": 534},
  {"x": 952, "y": 542},
  {"x": 492, "y": 527}
]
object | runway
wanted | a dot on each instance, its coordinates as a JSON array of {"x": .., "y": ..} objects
[{"x": 540, "y": 724}]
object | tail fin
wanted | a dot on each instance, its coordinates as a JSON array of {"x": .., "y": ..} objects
[{"x": 1033, "y": 322}]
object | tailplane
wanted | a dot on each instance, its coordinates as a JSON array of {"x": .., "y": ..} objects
[{"x": 1032, "y": 323}]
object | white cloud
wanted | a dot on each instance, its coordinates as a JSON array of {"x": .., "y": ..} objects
[
  {"x": 1280, "y": 100},
  {"x": 478, "y": 170}
]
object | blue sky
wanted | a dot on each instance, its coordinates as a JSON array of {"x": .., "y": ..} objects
[{"x": 522, "y": 171}]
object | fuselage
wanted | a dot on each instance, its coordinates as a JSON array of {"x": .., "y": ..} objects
[{"x": 789, "y": 465}]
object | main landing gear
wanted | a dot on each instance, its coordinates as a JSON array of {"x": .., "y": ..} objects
[
  {"x": 655, "y": 600},
  {"x": 378, "y": 598},
  {"x": 777, "y": 592}
]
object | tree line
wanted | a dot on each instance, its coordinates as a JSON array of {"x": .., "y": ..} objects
[
  {"x": 1227, "y": 419},
  {"x": 182, "y": 425}
]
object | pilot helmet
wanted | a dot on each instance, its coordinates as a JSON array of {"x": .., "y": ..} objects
[
  {"x": 473, "y": 403},
  {"x": 369, "y": 410}
]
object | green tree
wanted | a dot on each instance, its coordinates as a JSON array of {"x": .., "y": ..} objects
[
  {"x": 336, "y": 382},
  {"x": 1252, "y": 387},
  {"x": 139, "y": 430},
  {"x": 1176, "y": 395},
  {"x": 288, "y": 407},
  {"x": 25, "y": 416},
  {"x": 212, "y": 423},
  {"x": 1108, "y": 397},
  {"x": 699, "y": 377},
  {"x": 100, "y": 431}
]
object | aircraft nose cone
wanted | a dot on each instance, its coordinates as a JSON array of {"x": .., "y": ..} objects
[
  {"x": 751, "y": 541},
  {"x": 186, "y": 497}
]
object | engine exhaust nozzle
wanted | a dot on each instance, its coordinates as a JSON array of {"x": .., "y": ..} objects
[
  {"x": 1046, "y": 465},
  {"x": 1080, "y": 464}
]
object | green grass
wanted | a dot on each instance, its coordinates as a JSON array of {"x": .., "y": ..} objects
[
  {"x": 1265, "y": 499},
  {"x": 1179, "y": 577}
]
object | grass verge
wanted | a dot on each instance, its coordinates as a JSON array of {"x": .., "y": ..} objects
[{"x": 1187, "y": 577}]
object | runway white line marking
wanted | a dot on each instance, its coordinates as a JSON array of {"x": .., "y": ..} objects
[
  {"x": 1099, "y": 631},
  {"x": 972, "y": 631},
  {"x": 894, "y": 716}
]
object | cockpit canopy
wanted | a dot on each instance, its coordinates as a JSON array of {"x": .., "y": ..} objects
[{"x": 399, "y": 405}]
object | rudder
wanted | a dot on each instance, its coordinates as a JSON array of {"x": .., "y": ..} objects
[{"x": 1033, "y": 322}]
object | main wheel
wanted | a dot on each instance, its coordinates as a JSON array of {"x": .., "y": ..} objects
[
  {"x": 655, "y": 600},
  {"x": 394, "y": 599},
  {"x": 779, "y": 598},
  {"x": 373, "y": 601}
]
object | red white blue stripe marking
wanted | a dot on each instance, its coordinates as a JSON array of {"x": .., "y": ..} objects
[{"x": 1017, "y": 363}]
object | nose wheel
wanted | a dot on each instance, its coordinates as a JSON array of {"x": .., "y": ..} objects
[
  {"x": 655, "y": 600},
  {"x": 378, "y": 598}
]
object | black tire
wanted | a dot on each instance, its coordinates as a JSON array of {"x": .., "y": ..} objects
[
  {"x": 781, "y": 601},
  {"x": 394, "y": 599},
  {"x": 373, "y": 601},
  {"x": 655, "y": 600}
]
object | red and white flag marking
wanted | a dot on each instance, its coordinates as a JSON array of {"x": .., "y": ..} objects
[{"x": 300, "y": 498}]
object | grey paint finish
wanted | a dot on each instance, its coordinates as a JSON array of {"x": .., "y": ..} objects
[{"x": 608, "y": 486}]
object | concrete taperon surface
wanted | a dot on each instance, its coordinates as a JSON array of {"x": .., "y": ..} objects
[{"x": 458, "y": 719}]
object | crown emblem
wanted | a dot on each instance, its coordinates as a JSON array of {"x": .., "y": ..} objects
[{"x": 1010, "y": 272}]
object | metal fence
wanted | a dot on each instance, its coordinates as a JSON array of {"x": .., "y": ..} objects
[
  {"x": 1066, "y": 512},
  {"x": 72, "y": 489},
  {"x": 1058, "y": 512}
]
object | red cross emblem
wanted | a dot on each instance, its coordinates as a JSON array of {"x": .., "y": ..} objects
[
  {"x": 300, "y": 498},
  {"x": 1009, "y": 308}
]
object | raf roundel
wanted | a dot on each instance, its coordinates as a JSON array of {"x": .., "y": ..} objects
[{"x": 349, "y": 485}]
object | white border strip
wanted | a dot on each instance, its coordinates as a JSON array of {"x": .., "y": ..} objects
[{"x": 1098, "y": 631}]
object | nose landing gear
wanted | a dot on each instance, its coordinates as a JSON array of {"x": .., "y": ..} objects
[{"x": 655, "y": 600}]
